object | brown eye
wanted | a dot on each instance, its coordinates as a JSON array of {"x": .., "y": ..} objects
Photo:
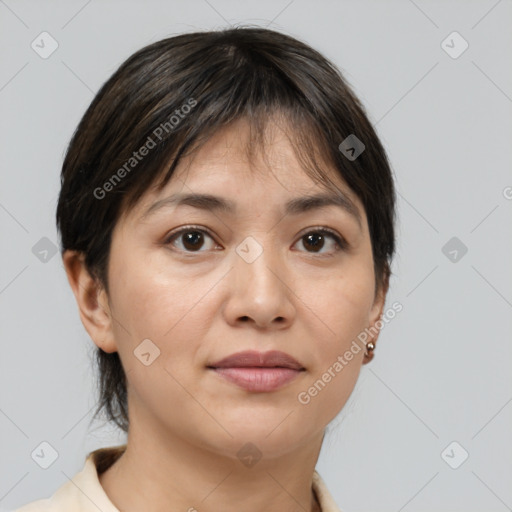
[
  {"x": 192, "y": 240},
  {"x": 189, "y": 239},
  {"x": 315, "y": 241}
]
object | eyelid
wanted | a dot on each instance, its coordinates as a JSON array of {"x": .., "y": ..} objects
[{"x": 184, "y": 229}]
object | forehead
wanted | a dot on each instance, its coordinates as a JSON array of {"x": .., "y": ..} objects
[
  {"x": 237, "y": 160},
  {"x": 242, "y": 150},
  {"x": 235, "y": 173}
]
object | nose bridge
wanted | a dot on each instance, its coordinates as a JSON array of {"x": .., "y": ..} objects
[
  {"x": 261, "y": 293},
  {"x": 257, "y": 262}
]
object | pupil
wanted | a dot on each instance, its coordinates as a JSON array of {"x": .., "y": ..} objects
[
  {"x": 319, "y": 241},
  {"x": 192, "y": 238}
]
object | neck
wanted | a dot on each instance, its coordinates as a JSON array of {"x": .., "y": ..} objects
[{"x": 163, "y": 472}]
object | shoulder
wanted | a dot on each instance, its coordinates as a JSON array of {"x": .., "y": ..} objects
[
  {"x": 64, "y": 499},
  {"x": 83, "y": 493}
]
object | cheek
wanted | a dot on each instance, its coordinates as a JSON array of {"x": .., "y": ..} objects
[
  {"x": 152, "y": 299},
  {"x": 168, "y": 307},
  {"x": 341, "y": 307},
  {"x": 325, "y": 395},
  {"x": 171, "y": 310},
  {"x": 341, "y": 302}
]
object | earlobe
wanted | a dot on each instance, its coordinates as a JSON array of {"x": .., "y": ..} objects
[
  {"x": 375, "y": 320},
  {"x": 92, "y": 301}
]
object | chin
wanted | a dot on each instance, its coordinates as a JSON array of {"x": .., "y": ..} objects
[{"x": 274, "y": 434}]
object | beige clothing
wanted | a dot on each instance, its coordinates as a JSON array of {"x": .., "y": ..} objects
[{"x": 85, "y": 493}]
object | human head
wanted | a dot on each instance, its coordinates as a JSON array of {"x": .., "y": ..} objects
[{"x": 171, "y": 98}]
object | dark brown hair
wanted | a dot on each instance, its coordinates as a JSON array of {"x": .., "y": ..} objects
[{"x": 169, "y": 98}]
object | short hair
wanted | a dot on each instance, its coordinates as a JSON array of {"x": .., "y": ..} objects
[{"x": 171, "y": 97}]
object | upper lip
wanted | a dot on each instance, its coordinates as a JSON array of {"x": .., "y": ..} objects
[{"x": 254, "y": 359}]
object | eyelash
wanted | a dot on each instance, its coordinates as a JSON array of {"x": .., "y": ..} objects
[{"x": 341, "y": 243}]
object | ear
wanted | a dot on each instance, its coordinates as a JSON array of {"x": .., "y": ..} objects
[
  {"x": 92, "y": 301},
  {"x": 376, "y": 314}
]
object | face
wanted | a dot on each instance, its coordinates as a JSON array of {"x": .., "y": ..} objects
[{"x": 200, "y": 283}]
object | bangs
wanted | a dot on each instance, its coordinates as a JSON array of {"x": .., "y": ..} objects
[
  {"x": 253, "y": 89},
  {"x": 309, "y": 147}
]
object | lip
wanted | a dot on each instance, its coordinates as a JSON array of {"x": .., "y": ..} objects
[
  {"x": 252, "y": 358},
  {"x": 258, "y": 371}
]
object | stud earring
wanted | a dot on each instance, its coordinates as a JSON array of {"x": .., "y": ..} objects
[{"x": 370, "y": 346}]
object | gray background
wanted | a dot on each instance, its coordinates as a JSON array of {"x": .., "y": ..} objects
[{"x": 442, "y": 370}]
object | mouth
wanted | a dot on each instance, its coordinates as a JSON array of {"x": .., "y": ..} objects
[{"x": 258, "y": 371}]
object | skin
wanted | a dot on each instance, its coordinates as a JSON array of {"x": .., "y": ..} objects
[{"x": 197, "y": 306}]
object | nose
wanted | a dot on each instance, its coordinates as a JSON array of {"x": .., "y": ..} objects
[{"x": 259, "y": 293}]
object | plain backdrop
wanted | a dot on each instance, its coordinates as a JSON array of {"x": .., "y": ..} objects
[{"x": 440, "y": 388}]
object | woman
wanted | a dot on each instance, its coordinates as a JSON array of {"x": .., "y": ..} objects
[{"x": 227, "y": 223}]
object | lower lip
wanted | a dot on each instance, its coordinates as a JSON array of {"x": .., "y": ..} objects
[{"x": 258, "y": 379}]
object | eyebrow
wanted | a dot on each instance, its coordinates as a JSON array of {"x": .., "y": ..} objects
[{"x": 294, "y": 206}]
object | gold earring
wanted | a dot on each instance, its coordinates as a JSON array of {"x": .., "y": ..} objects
[{"x": 370, "y": 346}]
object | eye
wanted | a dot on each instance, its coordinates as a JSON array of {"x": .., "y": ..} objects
[
  {"x": 316, "y": 240},
  {"x": 192, "y": 239}
]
